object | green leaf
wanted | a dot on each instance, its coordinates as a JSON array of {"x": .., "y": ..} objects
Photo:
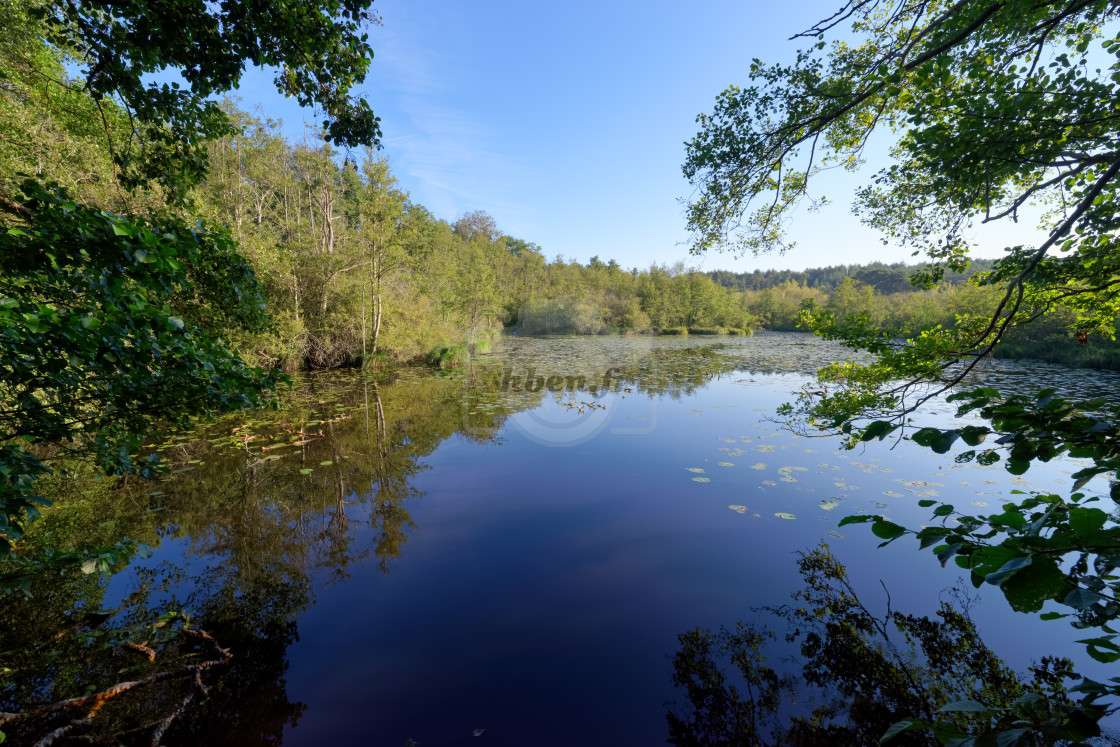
[
  {"x": 1010, "y": 737},
  {"x": 1008, "y": 568},
  {"x": 964, "y": 706},
  {"x": 887, "y": 530},
  {"x": 948, "y": 552},
  {"x": 1031, "y": 587},
  {"x": 878, "y": 429},
  {"x": 1082, "y": 599},
  {"x": 974, "y": 435},
  {"x": 1086, "y": 520},
  {"x": 944, "y": 442},
  {"x": 910, "y": 724}
]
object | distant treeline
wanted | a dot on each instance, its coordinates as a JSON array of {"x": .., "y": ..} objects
[{"x": 884, "y": 278}]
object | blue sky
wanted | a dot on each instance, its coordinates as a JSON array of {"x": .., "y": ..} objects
[{"x": 567, "y": 122}]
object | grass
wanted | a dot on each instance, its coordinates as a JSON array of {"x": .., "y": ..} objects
[{"x": 448, "y": 356}]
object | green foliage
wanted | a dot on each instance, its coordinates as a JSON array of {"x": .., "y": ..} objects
[
  {"x": 321, "y": 53},
  {"x": 109, "y": 326},
  {"x": 448, "y": 356},
  {"x": 673, "y": 331},
  {"x": 994, "y": 107}
]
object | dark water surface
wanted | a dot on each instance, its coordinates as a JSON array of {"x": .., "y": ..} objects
[{"x": 490, "y": 558}]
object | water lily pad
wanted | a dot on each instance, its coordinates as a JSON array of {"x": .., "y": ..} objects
[
  {"x": 306, "y": 471},
  {"x": 738, "y": 509},
  {"x": 694, "y": 469},
  {"x": 784, "y": 515},
  {"x": 787, "y": 478},
  {"x": 834, "y": 533},
  {"x": 829, "y": 505},
  {"x": 892, "y": 494},
  {"x": 700, "y": 479},
  {"x": 765, "y": 448},
  {"x": 760, "y": 465},
  {"x": 726, "y": 464},
  {"x": 326, "y": 463},
  {"x": 771, "y": 483}
]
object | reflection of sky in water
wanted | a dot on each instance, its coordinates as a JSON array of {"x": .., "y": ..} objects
[{"x": 541, "y": 592}]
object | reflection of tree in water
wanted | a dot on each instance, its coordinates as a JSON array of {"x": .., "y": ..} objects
[
  {"x": 859, "y": 675},
  {"x": 265, "y": 505}
]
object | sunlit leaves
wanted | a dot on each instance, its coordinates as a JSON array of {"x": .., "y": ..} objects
[{"x": 118, "y": 330}]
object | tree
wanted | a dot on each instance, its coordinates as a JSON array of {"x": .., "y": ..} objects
[
  {"x": 997, "y": 105},
  {"x": 381, "y": 211},
  {"x": 320, "y": 51},
  {"x": 113, "y": 323},
  {"x": 477, "y": 223}
]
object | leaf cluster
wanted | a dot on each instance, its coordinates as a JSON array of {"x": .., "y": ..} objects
[{"x": 111, "y": 326}]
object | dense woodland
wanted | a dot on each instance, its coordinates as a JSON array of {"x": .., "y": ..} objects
[{"x": 354, "y": 270}]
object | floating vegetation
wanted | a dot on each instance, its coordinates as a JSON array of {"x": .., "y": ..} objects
[
  {"x": 694, "y": 469},
  {"x": 922, "y": 484},
  {"x": 759, "y": 465},
  {"x": 726, "y": 464},
  {"x": 700, "y": 479},
  {"x": 784, "y": 515},
  {"x": 765, "y": 448},
  {"x": 771, "y": 483},
  {"x": 829, "y": 505},
  {"x": 892, "y": 494},
  {"x": 738, "y": 509},
  {"x": 834, "y": 533}
]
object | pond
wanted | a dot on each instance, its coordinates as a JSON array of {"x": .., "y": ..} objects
[{"x": 507, "y": 554}]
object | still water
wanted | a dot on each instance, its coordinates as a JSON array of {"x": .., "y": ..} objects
[{"x": 506, "y": 555}]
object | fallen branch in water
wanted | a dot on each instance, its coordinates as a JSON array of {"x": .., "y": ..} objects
[{"x": 95, "y": 701}]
